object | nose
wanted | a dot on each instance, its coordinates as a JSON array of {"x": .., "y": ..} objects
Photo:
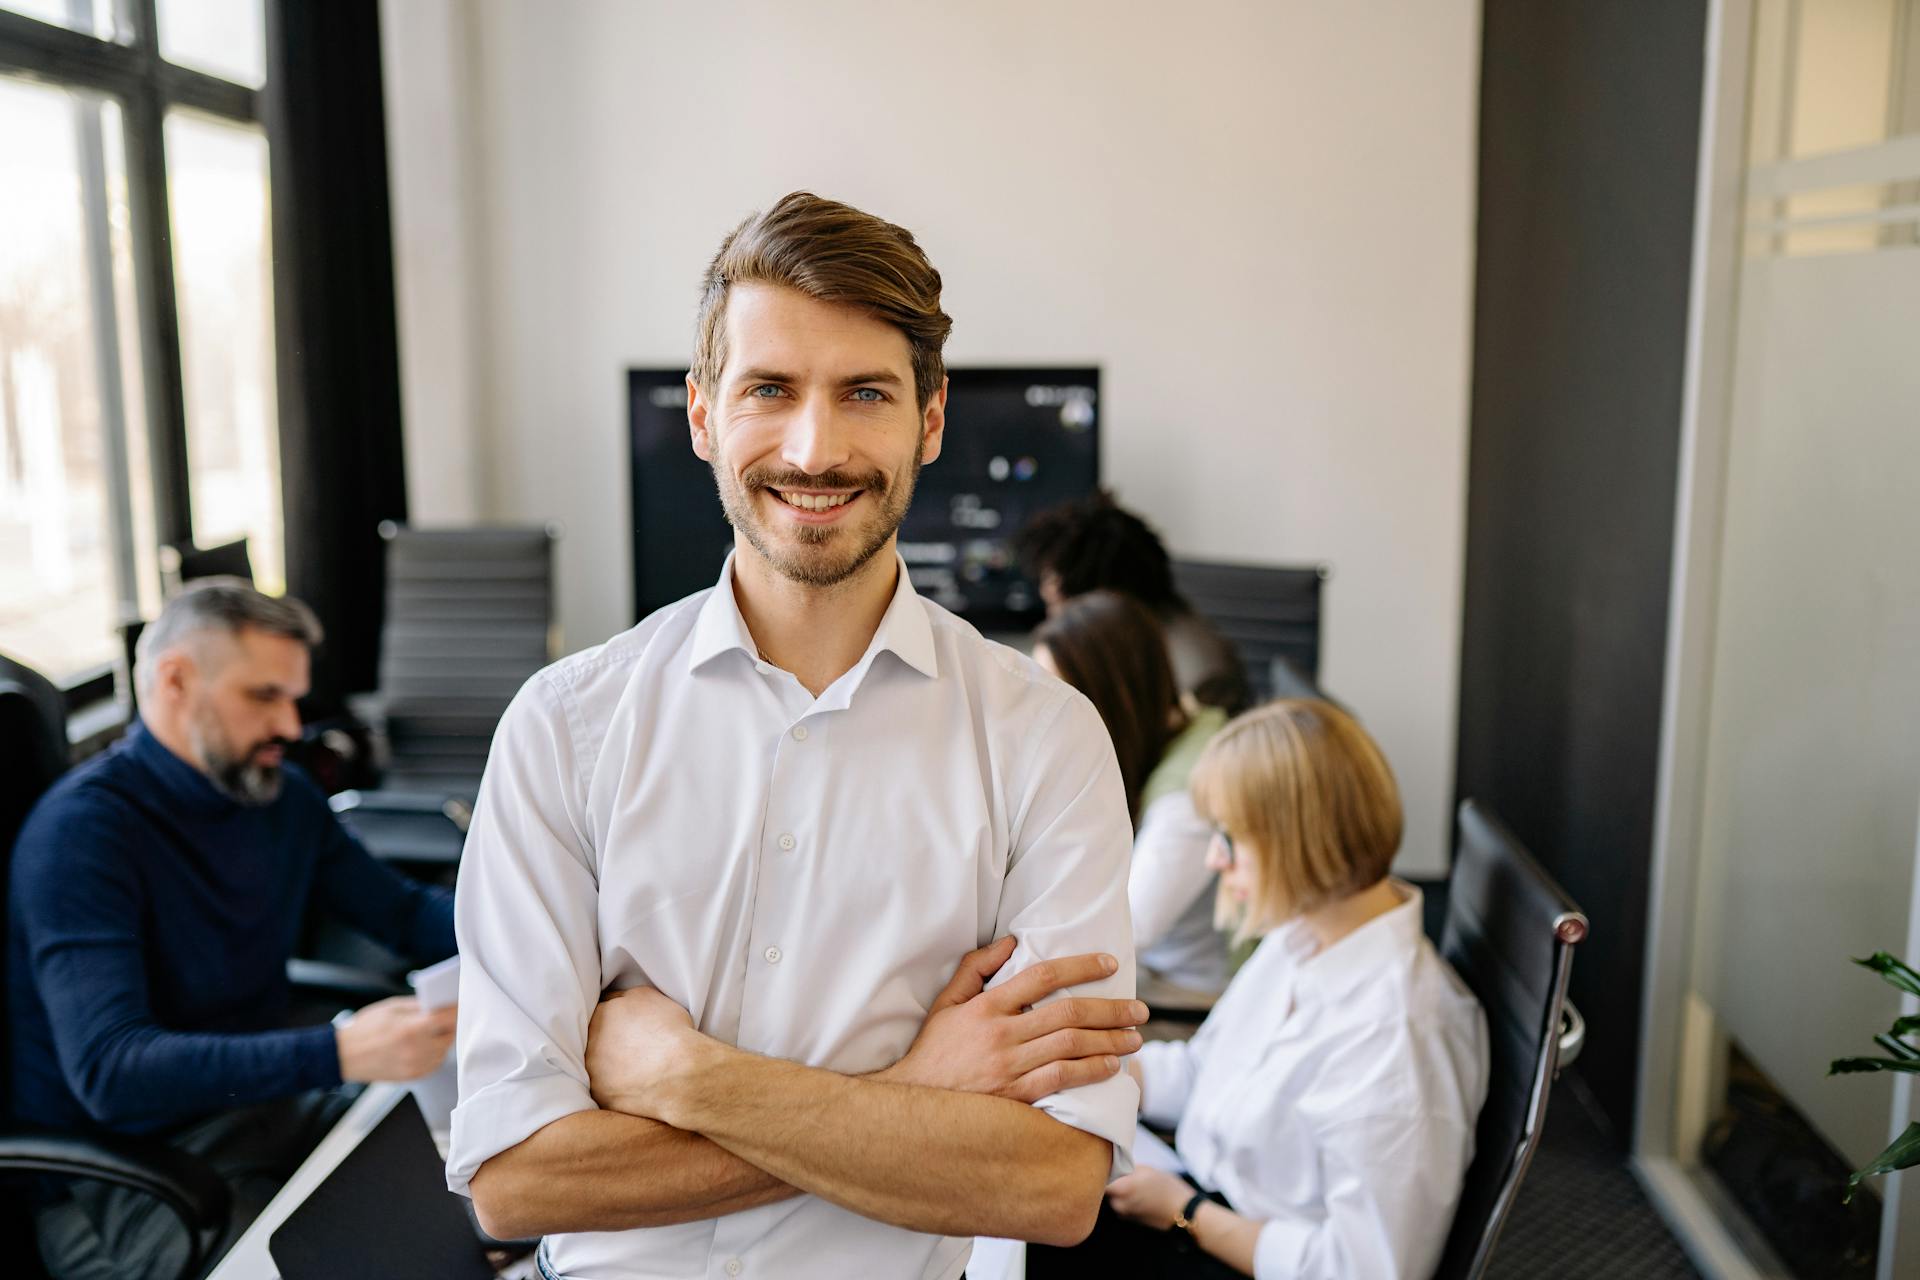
[
  {"x": 815, "y": 442},
  {"x": 286, "y": 722},
  {"x": 1217, "y": 855}
]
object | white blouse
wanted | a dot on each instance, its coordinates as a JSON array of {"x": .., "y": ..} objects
[
  {"x": 1333, "y": 1097},
  {"x": 1171, "y": 893}
]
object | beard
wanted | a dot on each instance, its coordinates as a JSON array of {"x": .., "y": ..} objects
[
  {"x": 816, "y": 555},
  {"x": 239, "y": 775}
]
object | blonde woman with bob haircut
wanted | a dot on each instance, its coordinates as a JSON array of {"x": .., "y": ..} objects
[{"x": 1324, "y": 1112}]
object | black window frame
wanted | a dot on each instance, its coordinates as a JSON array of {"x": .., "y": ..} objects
[{"x": 146, "y": 86}]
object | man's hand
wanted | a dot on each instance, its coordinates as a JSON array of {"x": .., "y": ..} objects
[
  {"x": 637, "y": 1042},
  {"x": 979, "y": 1041},
  {"x": 394, "y": 1039},
  {"x": 1149, "y": 1196}
]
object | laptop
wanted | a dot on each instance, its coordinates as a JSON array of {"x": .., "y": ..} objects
[{"x": 385, "y": 1211}]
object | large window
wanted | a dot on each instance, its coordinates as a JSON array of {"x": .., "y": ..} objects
[{"x": 137, "y": 382}]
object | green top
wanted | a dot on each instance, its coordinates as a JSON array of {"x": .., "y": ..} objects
[{"x": 1176, "y": 763}]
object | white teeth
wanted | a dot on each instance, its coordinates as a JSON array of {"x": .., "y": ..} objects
[{"x": 814, "y": 502}]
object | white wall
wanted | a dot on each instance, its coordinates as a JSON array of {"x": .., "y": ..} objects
[
  {"x": 426, "y": 48},
  {"x": 1257, "y": 217}
]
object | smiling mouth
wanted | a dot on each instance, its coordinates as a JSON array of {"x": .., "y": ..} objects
[{"x": 815, "y": 502}]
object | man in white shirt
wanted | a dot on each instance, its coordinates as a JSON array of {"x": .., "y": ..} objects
[{"x": 771, "y": 816}]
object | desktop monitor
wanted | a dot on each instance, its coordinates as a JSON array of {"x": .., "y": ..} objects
[{"x": 1017, "y": 441}]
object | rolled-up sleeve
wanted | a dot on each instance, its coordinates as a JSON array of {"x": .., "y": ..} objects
[
  {"x": 526, "y": 916},
  {"x": 1066, "y": 892}
]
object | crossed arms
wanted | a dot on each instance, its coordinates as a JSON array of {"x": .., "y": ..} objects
[{"x": 944, "y": 1141}]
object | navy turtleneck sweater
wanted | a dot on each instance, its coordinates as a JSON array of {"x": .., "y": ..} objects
[{"x": 151, "y": 918}]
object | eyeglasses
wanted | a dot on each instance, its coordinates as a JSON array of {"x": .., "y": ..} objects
[{"x": 1226, "y": 842}]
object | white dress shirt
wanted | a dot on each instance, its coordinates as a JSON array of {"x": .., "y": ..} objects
[
  {"x": 801, "y": 874},
  {"x": 1172, "y": 893},
  {"x": 1333, "y": 1097}
]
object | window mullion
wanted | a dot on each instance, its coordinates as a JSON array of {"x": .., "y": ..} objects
[{"x": 159, "y": 308}]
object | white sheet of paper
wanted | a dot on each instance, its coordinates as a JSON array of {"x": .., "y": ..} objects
[{"x": 438, "y": 985}]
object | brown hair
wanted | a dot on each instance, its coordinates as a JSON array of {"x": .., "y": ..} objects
[
  {"x": 1299, "y": 785},
  {"x": 1110, "y": 648},
  {"x": 833, "y": 253}
]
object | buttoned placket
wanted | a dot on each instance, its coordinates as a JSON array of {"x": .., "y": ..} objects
[{"x": 799, "y": 763}]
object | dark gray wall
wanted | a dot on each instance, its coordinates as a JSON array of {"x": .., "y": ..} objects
[{"x": 1589, "y": 130}]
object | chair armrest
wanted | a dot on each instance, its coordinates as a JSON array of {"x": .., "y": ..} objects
[
  {"x": 342, "y": 980},
  {"x": 186, "y": 1184},
  {"x": 1573, "y": 1035},
  {"x": 452, "y": 808}
]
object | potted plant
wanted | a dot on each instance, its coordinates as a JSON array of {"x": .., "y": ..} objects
[{"x": 1903, "y": 1055}]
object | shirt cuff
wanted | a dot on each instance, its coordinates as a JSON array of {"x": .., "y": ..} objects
[
  {"x": 1280, "y": 1250},
  {"x": 1107, "y": 1109},
  {"x": 504, "y": 1115}
]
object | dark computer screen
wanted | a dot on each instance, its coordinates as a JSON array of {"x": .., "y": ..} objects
[{"x": 1017, "y": 440}]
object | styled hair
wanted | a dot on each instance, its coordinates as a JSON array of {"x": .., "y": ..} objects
[
  {"x": 1110, "y": 648},
  {"x": 1094, "y": 543},
  {"x": 1300, "y": 786},
  {"x": 227, "y": 605},
  {"x": 833, "y": 253}
]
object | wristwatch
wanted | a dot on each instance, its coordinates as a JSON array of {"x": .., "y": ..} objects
[{"x": 1184, "y": 1218}]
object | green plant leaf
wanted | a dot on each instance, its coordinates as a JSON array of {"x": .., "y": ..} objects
[
  {"x": 1893, "y": 969},
  {"x": 1897, "y": 1047},
  {"x": 1850, "y": 1066},
  {"x": 1905, "y": 1026},
  {"x": 1902, "y": 1153}
]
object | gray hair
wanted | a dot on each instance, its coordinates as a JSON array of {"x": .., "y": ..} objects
[{"x": 227, "y": 605}]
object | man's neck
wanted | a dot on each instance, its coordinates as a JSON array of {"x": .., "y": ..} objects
[
  {"x": 171, "y": 733},
  {"x": 817, "y": 633}
]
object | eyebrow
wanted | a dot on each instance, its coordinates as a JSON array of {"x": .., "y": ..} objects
[{"x": 881, "y": 377}]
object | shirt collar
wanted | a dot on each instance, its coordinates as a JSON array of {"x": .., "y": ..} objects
[
  {"x": 1385, "y": 943},
  {"x": 904, "y": 629}
]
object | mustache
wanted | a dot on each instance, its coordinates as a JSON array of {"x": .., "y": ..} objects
[{"x": 770, "y": 478}]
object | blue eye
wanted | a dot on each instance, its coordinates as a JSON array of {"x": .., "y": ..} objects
[
  {"x": 868, "y": 395},
  {"x": 765, "y": 386}
]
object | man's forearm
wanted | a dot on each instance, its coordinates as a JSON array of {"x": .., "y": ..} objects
[
  {"x": 926, "y": 1159},
  {"x": 605, "y": 1171}
]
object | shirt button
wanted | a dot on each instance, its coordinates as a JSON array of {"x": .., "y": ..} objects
[
  {"x": 787, "y": 842},
  {"x": 773, "y": 955},
  {"x": 799, "y": 733},
  {"x": 733, "y": 1266}
]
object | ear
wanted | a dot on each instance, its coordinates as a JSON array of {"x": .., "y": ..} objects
[
  {"x": 174, "y": 673},
  {"x": 697, "y": 408},
  {"x": 933, "y": 426}
]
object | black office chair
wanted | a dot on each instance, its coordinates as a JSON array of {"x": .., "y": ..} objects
[
  {"x": 469, "y": 616},
  {"x": 1510, "y": 933},
  {"x": 33, "y": 727},
  {"x": 1270, "y": 614},
  {"x": 182, "y": 562}
]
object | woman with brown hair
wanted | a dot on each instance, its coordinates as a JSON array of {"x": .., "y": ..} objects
[
  {"x": 1324, "y": 1113},
  {"x": 1110, "y": 648}
]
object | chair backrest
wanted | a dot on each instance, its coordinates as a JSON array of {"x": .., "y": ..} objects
[
  {"x": 469, "y": 617},
  {"x": 182, "y": 562},
  {"x": 1271, "y": 615},
  {"x": 33, "y": 729},
  {"x": 1509, "y": 934}
]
